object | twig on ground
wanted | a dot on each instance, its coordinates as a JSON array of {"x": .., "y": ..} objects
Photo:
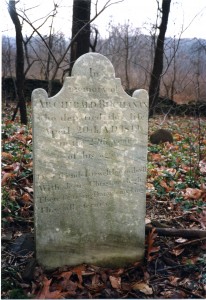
[{"x": 186, "y": 233}]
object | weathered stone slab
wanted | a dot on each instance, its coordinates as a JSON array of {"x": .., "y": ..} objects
[{"x": 90, "y": 153}]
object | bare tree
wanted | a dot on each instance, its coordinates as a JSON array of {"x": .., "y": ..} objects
[
  {"x": 80, "y": 42},
  {"x": 8, "y": 63},
  {"x": 8, "y": 53},
  {"x": 120, "y": 48},
  {"x": 154, "y": 87},
  {"x": 198, "y": 57},
  {"x": 49, "y": 56},
  {"x": 20, "y": 78}
]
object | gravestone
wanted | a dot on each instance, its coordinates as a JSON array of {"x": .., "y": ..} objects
[{"x": 90, "y": 153}]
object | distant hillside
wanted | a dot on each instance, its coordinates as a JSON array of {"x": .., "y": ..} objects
[{"x": 183, "y": 78}]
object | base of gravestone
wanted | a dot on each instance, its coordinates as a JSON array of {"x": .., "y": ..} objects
[{"x": 102, "y": 257}]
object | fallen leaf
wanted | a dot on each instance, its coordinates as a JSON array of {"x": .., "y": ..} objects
[
  {"x": 143, "y": 287},
  {"x": 45, "y": 293},
  {"x": 118, "y": 272},
  {"x": 156, "y": 157},
  {"x": 16, "y": 166},
  {"x": 164, "y": 185},
  {"x": 26, "y": 197},
  {"x": 203, "y": 246},
  {"x": 115, "y": 282},
  {"x": 174, "y": 294},
  {"x": 177, "y": 137},
  {"x": 79, "y": 271},
  {"x": 29, "y": 137},
  {"x": 28, "y": 189},
  {"x": 18, "y": 233},
  {"x": 202, "y": 165},
  {"x": 67, "y": 284},
  {"x": 147, "y": 221},
  {"x": 65, "y": 275},
  {"x": 24, "y": 212},
  {"x": 190, "y": 260},
  {"x": 104, "y": 276},
  {"x": 7, "y": 155},
  {"x": 95, "y": 279},
  {"x": 171, "y": 171},
  {"x": 202, "y": 219},
  {"x": 70, "y": 287},
  {"x": 177, "y": 251},
  {"x": 7, "y": 122},
  {"x": 126, "y": 286},
  {"x": 8, "y": 168},
  {"x": 150, "y": 187},
  {"x": 21, "y": 130},
  {"x": 180, "y": 240},
  {"x": 203, "y": 187},
  {"x": 7, "y": 236},
  {"x": 150, "y": 242},
  {"x": 174, "y": 280},
  {"x": 19, "y": 137},
  {"x": 192, "y": 193},
  {"x": 6, "y": 176},
  {"x": 10, "y": 219},
  {"x": 96, "y": 285},
  {"x": 29, "y": 165},
  {"x": 6, "y": 210},
  {"x": 12, "y": 195}
]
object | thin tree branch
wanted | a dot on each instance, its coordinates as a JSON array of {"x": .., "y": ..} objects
[
  {"x": 82, "y": 28},
  {"x": 39, "y": 34}
]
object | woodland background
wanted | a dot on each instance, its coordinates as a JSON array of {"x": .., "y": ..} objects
[
  {"x": 170, "y": 67},
  {"x": 131, "y": 54}
]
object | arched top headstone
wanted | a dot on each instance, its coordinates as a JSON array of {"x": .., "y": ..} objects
[
  {"x": 93, "y": 65},
  {"x": 90, "y": 156}
]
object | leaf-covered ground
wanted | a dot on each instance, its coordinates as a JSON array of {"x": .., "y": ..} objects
[{"x": 173, "y": 267}]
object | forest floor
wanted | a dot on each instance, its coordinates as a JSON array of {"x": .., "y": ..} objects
[{"x": 173, "y": 266}]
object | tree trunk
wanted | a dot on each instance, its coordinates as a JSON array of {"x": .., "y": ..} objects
[
  {"x": 81, "y": 15},
  {"x": 20, "y": 78},
  {"x": 158, "y": 59}
]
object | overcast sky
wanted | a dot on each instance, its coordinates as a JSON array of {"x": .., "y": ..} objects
[{"x": 139, "y": 13}]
